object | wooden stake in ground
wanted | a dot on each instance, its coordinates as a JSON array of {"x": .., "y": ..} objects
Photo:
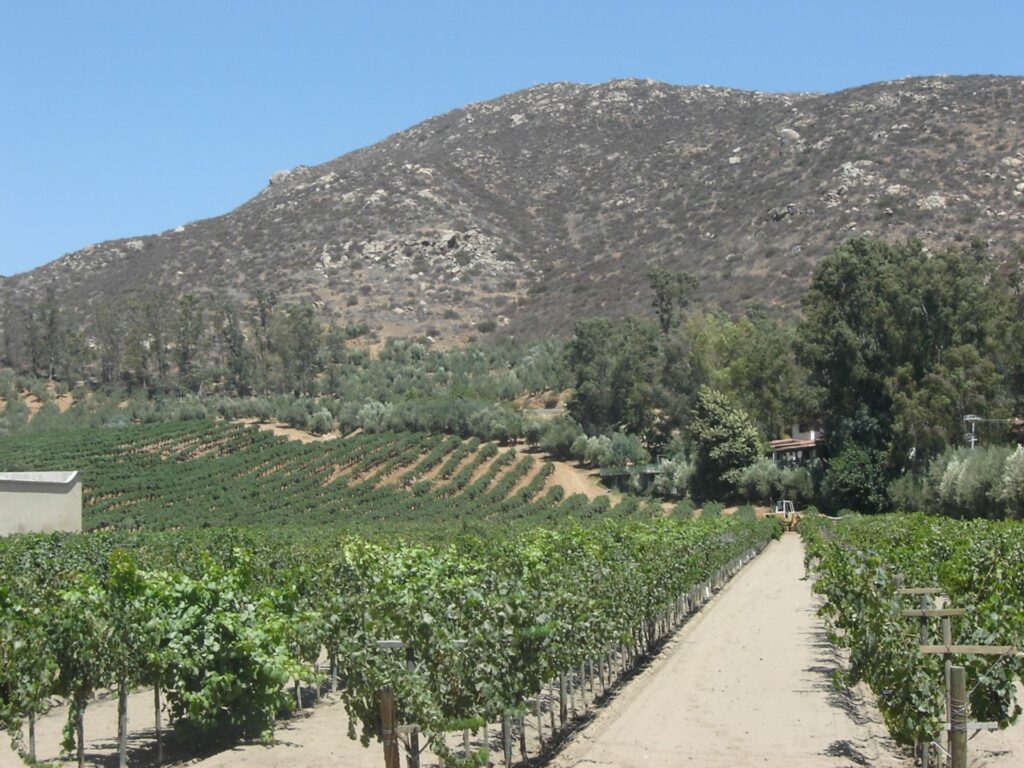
[
  {"x": 32, "y": 736},
  {"x": 157, "y": 717},
  {"x": 122, "y": 724},
  {"x": 388, "y": 733},
  {"x": 413, "y": 754},
  {"x": 958, "y": 717},
  {"x": 80, "y": 735},
  {"x": 506, "y": 738}
]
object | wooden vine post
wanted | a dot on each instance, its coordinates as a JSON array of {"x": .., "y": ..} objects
[
  {"x": 413, "y": 755},
  {"x": 955, "y": 677},
  {"x": 158, "y": 725},
  {"x": 390, "y": 733},
  {"x": 958, "y": 717},
  {"x": 388, "y": 728}
]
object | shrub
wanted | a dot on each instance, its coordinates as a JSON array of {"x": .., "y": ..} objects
[
  {"x": 321, "y": 422},
  {"x": 907, "y": 492},
  {"x": 675, "y": 479},
  {"x": 797, "y": 484},
  {"x": 261, "y": 409},
  {"x": 856, "y": 479},
  {"x": 746, "y": 512},
  {"x": 684, "y": 509},
  {"x": 558, "y": 437},
  {"x": 712, "y": 509},
  {"x": 294, "y": 414},
  {"x": 1011, "y": 486},
  {"x": 374, "y": 415},
  {"x": 760, "y": 481},
  {"x": 625, "y": 448}
]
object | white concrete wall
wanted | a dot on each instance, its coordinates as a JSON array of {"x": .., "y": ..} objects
[{"x": 34, "y": 506}]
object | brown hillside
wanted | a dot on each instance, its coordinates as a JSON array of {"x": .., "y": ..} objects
[{"x": 550, "y": 204}]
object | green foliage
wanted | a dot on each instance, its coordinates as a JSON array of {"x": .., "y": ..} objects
[
  {"x": 760, "y": 481},
  {"x": 859, "y": 564},
  {"x": 1011, "y": 486},
  {"x": 558, "y": 437},
  {"x": 856, "y": 479},
  {"x": 321, "y": 422},
  {"x": 712, "y": 509},
  {"x": 902, "y": 341},
  {"x": 982, "y": 482},
  {"x": 746, "y": 512},
  {"x": 618, "y": 450},
  {"x": 616, "y": 370},
  {"x": 225, "y": 659},
  {"x": 675, "y": 480},
  {"x": 724, "y": 442},
  {"x": 224, "y": 628},
  {"x": 672, "y": 293},
  {"x": 751, "y": 360}
]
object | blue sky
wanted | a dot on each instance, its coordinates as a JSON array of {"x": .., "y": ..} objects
[{"x": 128, "y": 118}]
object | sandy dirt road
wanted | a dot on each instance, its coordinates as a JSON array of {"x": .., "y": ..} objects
[{"x": 747, "y": 682}]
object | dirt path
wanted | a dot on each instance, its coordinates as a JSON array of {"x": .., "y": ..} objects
[{"x": 746, "y": 682}]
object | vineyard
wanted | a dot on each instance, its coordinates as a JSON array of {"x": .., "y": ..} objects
[
  {"x": 862, "y": 563},
  {"x": 228, "y": 626},
  {"x": 205, "y": 473},
  {"x": 224, "y": 571}
]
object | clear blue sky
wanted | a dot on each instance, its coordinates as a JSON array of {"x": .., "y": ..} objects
[{"x": 128, "y": 118}]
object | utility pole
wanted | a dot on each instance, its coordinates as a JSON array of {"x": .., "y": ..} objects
[{"x": 972, "y": 436}]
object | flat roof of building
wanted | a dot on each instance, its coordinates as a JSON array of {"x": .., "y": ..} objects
[
  {"x": 789, "y": 444},
  {"x": 58, "y": 478}
]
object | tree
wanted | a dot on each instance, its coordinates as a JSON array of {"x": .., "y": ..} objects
[
  {"x": 33, "y": 339},
  {"x": 672, "y": 293},
  {"x": 296, "y": 338},
  {"x": 189, "y": 336},
  {"x": 617, "y": 373},
  {"x": 856, "y": 479},
  {"x": 109, "y": 341},
  {"x": 881, "y": 316},
  {"x": 157, "y": 309},
  {"x": 53, "y": 333},
  {"x": 929, "y": 414},
  {"x": 751, "y": 360},
  {"x": 136, "y": 346},
  {"x": 724, "y": 442},
  {"x": 263, "y": 311},
  {"x": 239, "y": 368}
]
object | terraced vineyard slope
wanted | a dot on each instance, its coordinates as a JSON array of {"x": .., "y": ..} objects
[{"x": 205, "y": 473}]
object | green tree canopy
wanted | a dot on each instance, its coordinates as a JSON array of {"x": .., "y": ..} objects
[{"x": 724, "y": 442}]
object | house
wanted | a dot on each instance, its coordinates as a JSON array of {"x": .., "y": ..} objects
[
  {"x": 40, "y": 502},
  {"x": 800, "y": 448}
]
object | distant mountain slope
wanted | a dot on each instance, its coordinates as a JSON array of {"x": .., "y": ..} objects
[{"x": 551, "y": 203}]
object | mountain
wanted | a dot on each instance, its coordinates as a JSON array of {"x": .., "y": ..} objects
[{"x": 551, "y": 204}]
